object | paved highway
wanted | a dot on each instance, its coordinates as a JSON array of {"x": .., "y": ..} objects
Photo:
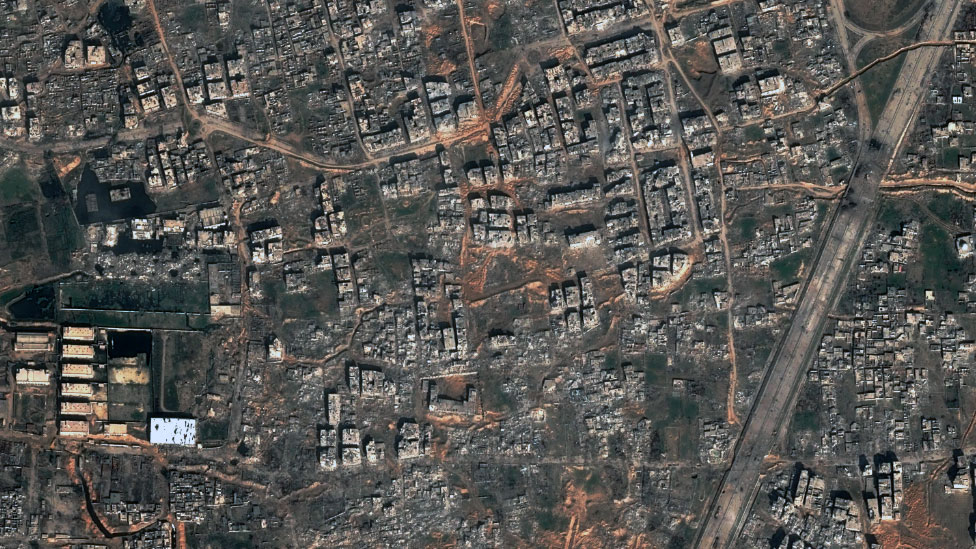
[{"x": 774, "y": 403}]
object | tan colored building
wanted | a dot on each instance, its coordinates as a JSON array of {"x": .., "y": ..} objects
[
  {"x": 73, "y": 428},
  {"x": 74, "y": 55},
  {"x": 83, "y": 371},
  {"x": 219, "y": 311},
  {"x": 82, "y": 352},
  {"x": 82, "y": 390},
  {"x": 116, "y": 429},
  {"x": 96, "y": 55},
  {"x": 76, "y": 408},
  {"x": 33, "y": 376},
  {"x": 78, "y": 333},
  {"x": 33, "y": 342}
]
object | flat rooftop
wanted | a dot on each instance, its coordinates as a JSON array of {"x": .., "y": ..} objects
[{"x": 173, "y": 430}]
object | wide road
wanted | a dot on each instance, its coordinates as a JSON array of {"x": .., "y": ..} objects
[{"x": 776, "y": 398}]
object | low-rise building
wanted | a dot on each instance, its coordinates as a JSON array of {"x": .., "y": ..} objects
[{"x": 173, "y": 430}]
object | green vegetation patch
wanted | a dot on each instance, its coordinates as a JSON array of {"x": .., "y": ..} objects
[
  {"x": 62, "y": 234},
  {"x": 211, "y": 429},
  {"x": 197, "y": 322},
  {"x": 881, "y": 15},
  {"x": 128, "y": 402},
  {"x": 950, "y": 158},
  {"x": 879, "y": 81},
  {"x": 896, "y": 280},
  {"x": 655, "y": 368},
  {"x": 22, "y": 230},
  {"x": 746, "y": 227},
  {"x": 806, "y": 420},
  {"x": 198, "y": 191},
  {"x": 171, "y": 395},
  {"x": 418, "y": 210},
  {"x": 229, "y": 540},
  {"x": 502, "y": 32},
  {"x": 189, "y": 364},
  {"x": 21, "y": 223},
  {"x": 591, "y": 481},
  {"x": 683, "y": 537},
  {"x": 176, "y": 296},
  {"x": 511, "y": 476},
  {"x": 16, "y": 186},
  {"x": 950, "y": 209},
  {"x": 550, "y": 521},
  {"x": 753, "y": 132},
  {"x": 322, "y": 297},
  {"x": 704, "y": 285},
  {"x": 782, "y": 49},
  {"x": 193, "y": 18},
  {"x": 682, "y": 408},
  {"x": 941, "y": 268},
  {"x": 363, "y": 206},
  {"x": 30, "y": 302},
  {"x": 496, "y": 397},
  {"x": 546, "y": 504},
  {"x": 890, "y": 215},
  {"x": 393, "y": 267},
  {"x": 787, "y": 268},
  {"x": 31, "y": 410},
  {"x": 7, "y": 297},
  {"x": 122, "y": 411},
  {"x": 243, "y": 13},
  {"x": 127, "y": 319}
]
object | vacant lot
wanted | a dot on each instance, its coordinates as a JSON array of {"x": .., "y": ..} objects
[
  {"x": 62, "y": 233},
  {"x": 321, "y": 298},
  {"x": 882, "y": 15},
  {"x": 186, "y": 370},
  {"x": 16, "y": 186},
  {"x": 880, "y": 79},
  {"x": 177, "y": 296},
  {"x": 128, "y": 402},
  {"x": 22, "y": 230},
  {"x": 787, "y": 269}
]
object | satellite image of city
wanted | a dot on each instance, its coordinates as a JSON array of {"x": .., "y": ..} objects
[{"x": 563, "y": 274}]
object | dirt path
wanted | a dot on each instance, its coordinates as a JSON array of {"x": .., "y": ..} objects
[
  {"x": 469, "y": 47},
  {"x": 905, "y": 49},
  {"x": 164, "y": 342}
]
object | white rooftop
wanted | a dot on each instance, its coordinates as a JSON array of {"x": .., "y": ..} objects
[{"x": 173, "y": 430}]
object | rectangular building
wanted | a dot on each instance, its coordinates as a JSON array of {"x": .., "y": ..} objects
[
  {"x": 83, "y": 390},
  {"x": 83, "y": 371},
  {"x": 33, "y": 342},
  {"x": 76, "y": 408},
  {"x": 78, "y": 333},
  {"x": 82, "y": 352},
  {"x": 173, "y": 430},
  {"x": 33, "y": 376},
  {"x": 116, "y": 429},
  {"x": 73, "y": 428}
]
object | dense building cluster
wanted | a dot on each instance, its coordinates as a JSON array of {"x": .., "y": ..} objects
[{"x": 311, "y": 273}]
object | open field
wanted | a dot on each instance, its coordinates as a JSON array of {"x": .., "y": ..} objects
[{"x": 881, "y": 15}]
